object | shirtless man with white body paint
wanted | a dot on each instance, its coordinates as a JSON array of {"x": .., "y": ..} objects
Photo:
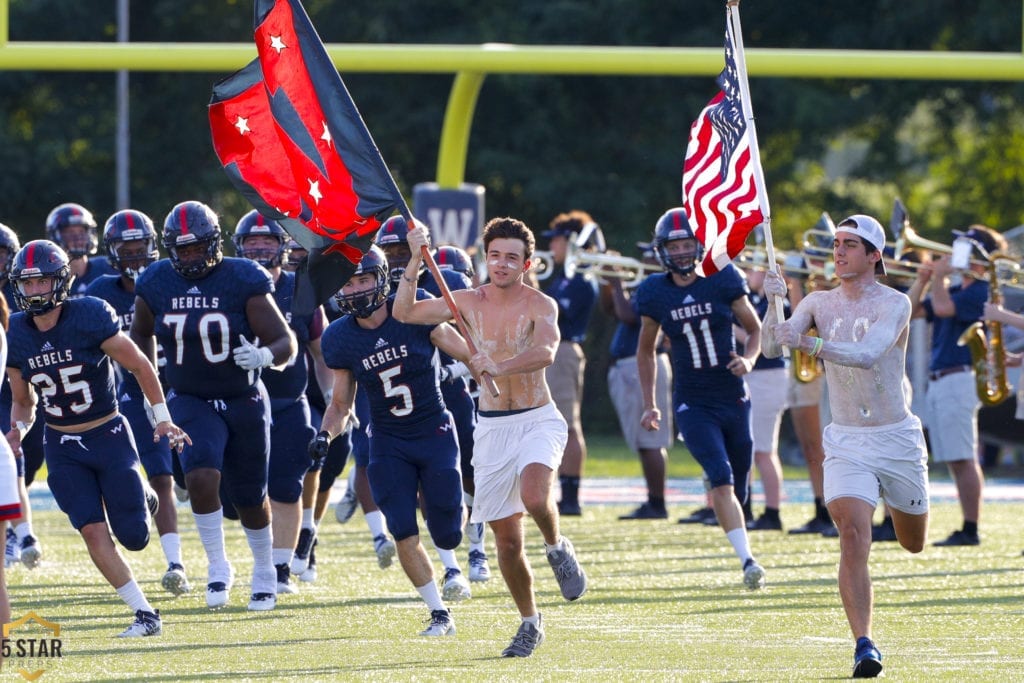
[
  {"x": 874, "y": 442},
  {"x": 519, "y": 435}
]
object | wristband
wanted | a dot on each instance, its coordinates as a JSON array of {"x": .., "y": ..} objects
[
  {"x": 818, "y": 344},
  {"x": 22, "y": 428},
  {"x": 161, "y": 413}
]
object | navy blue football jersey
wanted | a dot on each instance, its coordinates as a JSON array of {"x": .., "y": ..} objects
[
  {"x": 72, "y": 376},
  {"x": 287, "y": 385},
  {"x": 698, "y": 320},
  {"x": 198, "y": 322},
  {"x": 97, "y": 267},
  {"x": 396, "y": 365}
]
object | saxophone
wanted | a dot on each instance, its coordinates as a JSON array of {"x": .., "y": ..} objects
[{"x": 988, "y": 355}]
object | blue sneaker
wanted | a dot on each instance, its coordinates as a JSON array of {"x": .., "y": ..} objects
[{"x": 867, "y": 660}]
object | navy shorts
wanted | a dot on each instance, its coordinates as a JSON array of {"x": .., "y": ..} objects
[
  {"x": 231, "y": 436},
  {"x": 290, "y": 434},
  {"x": 460, "y": 404},
  {"x": 95, "y": 476},
  {"x": 719, "y": 438},
  {"x": 400, "y": 467},
  {"x": 155, "y": 457}
]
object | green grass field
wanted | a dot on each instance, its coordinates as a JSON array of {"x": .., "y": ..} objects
[{"x": 666, "y": 603}]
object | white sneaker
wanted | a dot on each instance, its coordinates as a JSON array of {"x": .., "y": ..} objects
[
  {"x": 262, "y": 602},
  {"x": 309, "y": 575},
  {"x": 441, "y": 624},
  {"x": 181, "y": 494},
  {"x": 455, "y": 588},
  {"x": 385, "y": 549},
  {"x": 346, "y": 507},
  {"x": 31, "y": 551},
  {"x": 284, "y": 579},
  {"x": 145, "y": 624},
  {"x": 175, "y": 581},
  {"x": 479, "y": 569},
  {"x": 218, "y": 589},
  {"x": 753, "y": 574}
]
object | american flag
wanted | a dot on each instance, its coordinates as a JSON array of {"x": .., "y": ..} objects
[{"x": 719, "y": 192}]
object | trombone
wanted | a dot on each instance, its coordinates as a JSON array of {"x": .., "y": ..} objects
[{"x": 602, "y": 266}]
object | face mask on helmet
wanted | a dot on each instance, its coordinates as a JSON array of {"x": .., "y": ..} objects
[
  {"x": 294, "y": 253},
  {"x": 269, "y": 252},
  {"x": 686, "y": 250},
  {"x": 73, "y": 228},
  {"x": 192, "y": 239},
  {"x": 41, "y": 277},
  {"x": 361, "y": 296},
  {"x": 131, "y": 242}
]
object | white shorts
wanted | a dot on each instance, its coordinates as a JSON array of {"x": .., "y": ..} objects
[
  {"x": 624, "y": 389},
  {"x": 951, "y": 414},
  {"x": 867, "y": 462},
  {"x": 802, "y": 394},
  {"x": 10, "y": 502},
  {"x": 503, "y": 447},
  {"x": 768, "y": 389}
]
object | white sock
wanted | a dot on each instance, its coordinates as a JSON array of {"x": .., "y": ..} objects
[
  {"x": 535, "y": 619},
  {"x": 282, "y": 555},
  {"x": 557, "y": 546},
  {"x": 211, "y": 532},
  {"x": 467, "y": 498},
  {"x": 171, "y": 543},
  {"x": 431, "y": 595},
  {"x": 23, "y": 529},
  {"x": 375, "y": 520},
  {"x": 133, "y": 597},
  {"x": 264, "y": 575},
  {"x": 447, "y": 558},
  {"x": 307, "y": 519},
  {"x": 740, "y": 543}
]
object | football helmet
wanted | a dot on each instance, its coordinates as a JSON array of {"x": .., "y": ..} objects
[
  {"x": 393, "y": 239},
  {"x": 9, "y": 245},
  {"x": 254, "y": 223},
  {"x": 363, "y": 304},
  {"x": 294, "y": 254},
  {"x": 130, "y": 226},
  {"x": 450, "y": 257},
  {"x": 41, "y": 259},
  {"x": 70, "y": 215},
  {"x": 191, "y": 223},
  {"x": 673, "y": 225}
]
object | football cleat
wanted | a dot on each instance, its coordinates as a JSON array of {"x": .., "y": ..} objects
[
  {"x": 479, "y": 569},
  {"x": 262, "y": 602},
  {"x": 300, "y": 560},
  {"x": 454, "y": 587},
  {"x": 175, "y": 581},
  {"x": 181, "y": 493},
  {"x": 441, "y": 624},
  {"x": 284, "y": 579},
  {"x": 346, "y": 507},
  {"x": 385, "y": 549},
  {"x": 753, "y": 574},
  {"x": 219, "y": 587},
  {"x": 145, "y": 624},
  {"x": 309, "y": 576},
  {"x": 31, "y": 551}
]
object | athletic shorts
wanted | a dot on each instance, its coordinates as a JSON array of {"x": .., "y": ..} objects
[
  {"x": 624, "y": 389},
  {"x": 951, "y": 413},
  {"x": 768, "y": 389},
  {"x": 503, "y": 447},
  {"x": 565, "y": 380},
  {"x": 890, "y": 461},
  {"x": 801, "y": 394}
]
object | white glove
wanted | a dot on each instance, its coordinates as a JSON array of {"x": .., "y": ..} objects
[
  {"x": 248, "y": 356},
  {"x": 454, "y": 371}
]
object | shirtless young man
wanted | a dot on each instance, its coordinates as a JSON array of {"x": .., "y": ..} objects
[
  {"x": 519, "y": 435},
  {"x": 874, "y": 443}
]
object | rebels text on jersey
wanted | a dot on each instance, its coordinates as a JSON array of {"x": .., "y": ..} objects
[
  {"x": 395, "y": 364},
  {"x": 198, "y": 322},
  {"x": 73, "y": 377},
  {"x": 698, "y": 321}
]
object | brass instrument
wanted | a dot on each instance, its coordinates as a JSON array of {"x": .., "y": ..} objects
[
  {"x": 805, "y": 366},
  {"x": 987, "y": 353},
  {"x": 602, "y": 266}
]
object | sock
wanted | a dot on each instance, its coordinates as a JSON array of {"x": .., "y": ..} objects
[
  {"x": 431, "y": 595},
  {"x": 887, "y": 521},
  {"x": 281, "y": 555},
  {"x": 557, "y": 546},
  {"x": 375, "y": 520},
  {"x": 264, "y": 575},
  {"x": 970, "y": 528},
  {"x": 820, "y": 511},
  {"x": 570, "y": 489},
  {"x": 133, "y": 597},
  {"x": 447, "y": 558},
  {"x": 22, "y": 530},
  {"x": 741, "y": 544},
  {"x": 211, "y": 532},
  {"x": 307, "y": 519},
  {"x": 468, "y": 498},
  {"x": 772, "y": 513},
  {"x": 533, "y": 619},
  {"x": 171, "y": 543},
  {"x": 656, "y": 503}
]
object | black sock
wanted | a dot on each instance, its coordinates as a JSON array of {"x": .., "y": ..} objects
[
  {"x": 820, "y": 511},
  {"x": 570, "y": 489},
  {"x": 970, "y": 528},
  {"x": 772, "y": 513},
  {"x": 887, "y": 521},
  {"x": 656, "y": 503}
]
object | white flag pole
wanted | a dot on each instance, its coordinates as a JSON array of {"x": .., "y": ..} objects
[{"x": 736, "y": 33}]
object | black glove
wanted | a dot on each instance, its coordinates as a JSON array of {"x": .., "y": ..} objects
[{"x": 319, "y": 445}]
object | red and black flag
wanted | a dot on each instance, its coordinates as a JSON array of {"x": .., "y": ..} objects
[{"x": 292, "y": 141}]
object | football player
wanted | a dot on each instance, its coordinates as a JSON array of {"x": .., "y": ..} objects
[{"x": 72, "y": 227}]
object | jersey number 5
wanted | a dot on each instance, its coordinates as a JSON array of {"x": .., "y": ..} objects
[{"x": 400, "y": 390}]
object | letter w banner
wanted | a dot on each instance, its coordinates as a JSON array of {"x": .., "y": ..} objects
[
  {"x": 723, "y": 184},
  {"x": 293, "y": 143}
]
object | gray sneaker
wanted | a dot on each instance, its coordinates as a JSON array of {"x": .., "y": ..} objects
[
  {"x": 753, "y": 574},
  {"x": 571, "y": 578},
  {"x": 526, "y": 640},
  {"x": 346, "y": 507}
]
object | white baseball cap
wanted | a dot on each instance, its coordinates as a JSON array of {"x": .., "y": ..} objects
[{"x": 869, "y": 230}]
